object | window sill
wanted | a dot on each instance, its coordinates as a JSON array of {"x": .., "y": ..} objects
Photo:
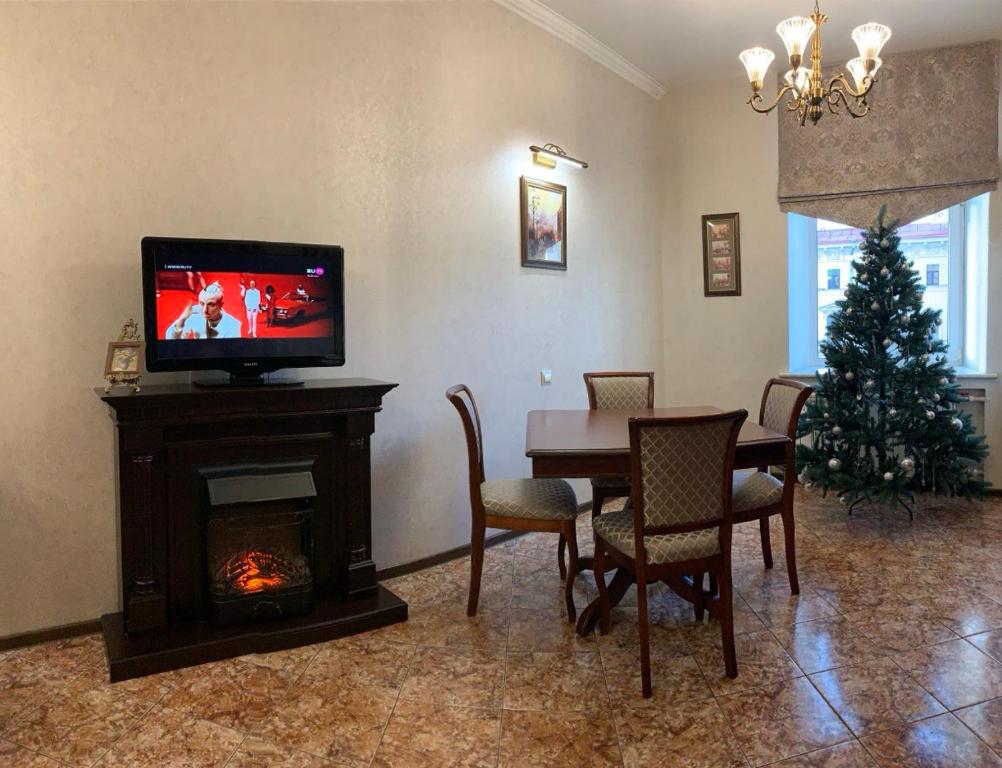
[{"x": 963, "y": 374}]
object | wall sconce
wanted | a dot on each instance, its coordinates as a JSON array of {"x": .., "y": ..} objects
[{"x": 550, "y": 154}]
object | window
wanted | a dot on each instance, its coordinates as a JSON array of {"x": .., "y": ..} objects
[{"x": 944, "y": 248}]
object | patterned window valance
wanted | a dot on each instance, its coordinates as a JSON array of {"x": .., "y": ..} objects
[{"x": 929, "y": 142}]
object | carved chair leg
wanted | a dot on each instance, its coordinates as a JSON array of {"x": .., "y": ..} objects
[
  {"x": 561, "y": 546},
  {"x": 598, "y": 567},
  {"x": 763, "y": 527},
  {"x": 572, "y": 570},
  {"x": 725, "y": 610},
  {"x": 476, "y": 566},
  {"x": 645, "y": 637},
  {"x": 791, "y": 550}
]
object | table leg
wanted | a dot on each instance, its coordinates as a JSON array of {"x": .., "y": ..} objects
[{"x": 617, "y": 588}]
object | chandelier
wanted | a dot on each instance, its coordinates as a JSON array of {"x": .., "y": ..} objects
[{"x": 809, "y": 95}]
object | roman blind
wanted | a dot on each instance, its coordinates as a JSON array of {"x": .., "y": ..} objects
[{"x": 929, "y": 142}]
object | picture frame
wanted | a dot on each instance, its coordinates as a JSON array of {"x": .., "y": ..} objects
[
  {"x": 721, "y": 254},
  {"x": 124, "y": 363},
  {"x": 544, "y": 224}
]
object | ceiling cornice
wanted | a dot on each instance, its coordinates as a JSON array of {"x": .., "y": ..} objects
[{"x": 571, "y": 33}]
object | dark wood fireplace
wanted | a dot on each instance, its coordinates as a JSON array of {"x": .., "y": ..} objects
[{"x": 245, "y": 522}]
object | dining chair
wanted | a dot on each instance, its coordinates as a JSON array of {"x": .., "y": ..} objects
[
  {"x": 760, "y": 494},
  {"x": 680, "y": 521},
  {"x": 522, "y": 504},
  {"x": 607, "y": 390}
]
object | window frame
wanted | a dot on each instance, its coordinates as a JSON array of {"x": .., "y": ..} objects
[{"x": 802, "y": 246}]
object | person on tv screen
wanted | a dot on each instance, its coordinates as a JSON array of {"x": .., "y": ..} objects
[
  {"x": 268, "y": 305},
  {"x": 252, "y": 301},
  {"x": 301, "y": 293},
  {"x": 207, "y": 319}
]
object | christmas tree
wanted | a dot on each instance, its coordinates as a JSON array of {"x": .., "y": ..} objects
[{"x": 883, "y": 420}]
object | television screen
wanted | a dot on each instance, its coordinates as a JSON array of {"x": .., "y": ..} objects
[{"x": 242, "y": 306}]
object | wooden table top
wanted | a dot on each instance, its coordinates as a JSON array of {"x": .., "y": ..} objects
[{"x": 554, "y": 433}]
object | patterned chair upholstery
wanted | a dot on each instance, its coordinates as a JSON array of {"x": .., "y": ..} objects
[
  {"x": 540, "y": 499},
  {"x": 616, "y": 528},
  {"x": 621, "y": 391},
  {"x": 758, "y": 489}
]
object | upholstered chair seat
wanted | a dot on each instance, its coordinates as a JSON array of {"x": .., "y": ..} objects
[
  {"x": 754, "y": 490},
  {"x": 540, "y": 499},
  {"x": 616, "y": 529}
]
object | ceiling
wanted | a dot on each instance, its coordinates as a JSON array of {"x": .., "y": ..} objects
[{"x": 681, "y": 42}]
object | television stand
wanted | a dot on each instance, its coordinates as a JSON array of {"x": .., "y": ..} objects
[{"x": 250, "y": 380}]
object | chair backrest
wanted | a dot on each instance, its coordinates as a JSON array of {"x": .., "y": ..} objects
[
  {"x": 682, "y": 470},
  {"x": 782, "y": 402},
  {"x": 620, "y": 389},
  {"x": 461, "y": 397}
]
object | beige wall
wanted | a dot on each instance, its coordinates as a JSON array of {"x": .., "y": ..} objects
[
  {"x": 722, "y": 350},
  {"x": 396, "y": 130}
]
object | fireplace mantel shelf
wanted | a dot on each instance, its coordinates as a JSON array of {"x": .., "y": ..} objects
[{"x": 167, "y": 437}]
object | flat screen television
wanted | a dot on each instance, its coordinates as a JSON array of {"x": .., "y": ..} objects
[{"x": 242, "y": 306}]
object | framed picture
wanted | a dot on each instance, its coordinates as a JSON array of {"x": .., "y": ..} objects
[
  {"x": 544, "y": 224},
  {"x": 721, "y": 255},
  {"x": 124, "y": 359}
]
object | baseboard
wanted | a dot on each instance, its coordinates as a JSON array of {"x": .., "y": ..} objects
[
  {"x": 62, "y": 632},
  {"x": 993, "y": 492},
  {"x": 443, "y": 557}
]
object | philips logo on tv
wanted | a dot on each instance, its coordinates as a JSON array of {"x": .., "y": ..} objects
[{"x": 315, "y": 271}]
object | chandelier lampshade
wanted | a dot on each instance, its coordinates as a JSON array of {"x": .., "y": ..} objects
[
  {"x": 869, "y": 39},
  {"x": 800, "y": 80},
  {"x": 756, "y": 61},
  {"x": 857, "y": 68},
  {"x": 796, "y": 33},
  {"x": 810, "y": 93}
]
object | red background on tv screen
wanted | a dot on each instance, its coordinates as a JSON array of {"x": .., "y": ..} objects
[{"x": 177, "y": 289}]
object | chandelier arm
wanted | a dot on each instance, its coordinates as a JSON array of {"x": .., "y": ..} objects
[
  {"x": 755, "y": 98},
  {"x": 840, "y": 82},
  {"x": 836, "y": 94}
]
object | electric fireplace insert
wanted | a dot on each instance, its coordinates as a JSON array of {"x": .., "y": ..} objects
[{"x": 259, "y": 541}]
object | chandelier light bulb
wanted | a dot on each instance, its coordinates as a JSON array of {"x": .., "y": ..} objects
[
  {"x": 800, "y": 81},
  {"x": 795, "y": 32},
  {"x": 869, "y": 39},
  {"x": 756, "y": 61}
]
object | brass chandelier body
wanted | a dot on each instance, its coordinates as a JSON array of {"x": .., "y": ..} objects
[{"x": 809, "y": 94}]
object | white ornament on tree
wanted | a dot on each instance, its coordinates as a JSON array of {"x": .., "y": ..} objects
[
  {"x": 836, "y": 430},
  {"x": 956, "y": 423},
  {"x": 888, "y": 476},
  {"x": 886, "y": 342},
  {"x": 893, "y": 412},
  {"x": 884, "y": 271},
  {"x": 834, "y": 465},
  {"x": 930, "y": 415},
  {"x": 885, "y": 243},
  {"x": 849, "y": 375},
  {"x": 908, "y": 464},
  {"x": 875, "y": 305}
]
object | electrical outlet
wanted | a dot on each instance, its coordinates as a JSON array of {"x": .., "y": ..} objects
[{"x": 545, "y": 376}]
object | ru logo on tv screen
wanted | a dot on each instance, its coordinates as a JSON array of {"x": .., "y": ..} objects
[{"x": 315, "y": 271}]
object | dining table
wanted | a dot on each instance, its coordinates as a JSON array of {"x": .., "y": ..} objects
[{"x": 596, "y": 443}]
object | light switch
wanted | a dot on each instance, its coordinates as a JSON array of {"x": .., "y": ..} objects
[{"x": 545, "y": 376}]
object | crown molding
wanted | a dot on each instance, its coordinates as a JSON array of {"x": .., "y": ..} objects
[{"x": 561, "y": 27}]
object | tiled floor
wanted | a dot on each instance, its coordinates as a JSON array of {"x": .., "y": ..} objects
[{"x": 891, "y": 656}]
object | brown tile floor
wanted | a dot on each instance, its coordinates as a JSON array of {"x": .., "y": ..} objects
[{"x": 891, "y": 656}]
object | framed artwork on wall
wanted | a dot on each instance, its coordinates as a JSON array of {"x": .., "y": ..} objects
[
  {"x": 721, "y": 255},
  {"x": 544, "y": 224}
]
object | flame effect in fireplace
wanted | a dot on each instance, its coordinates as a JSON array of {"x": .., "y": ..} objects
[{"x": 257, "y": 570}]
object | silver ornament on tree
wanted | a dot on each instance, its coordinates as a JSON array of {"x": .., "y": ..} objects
[
  {"x": 888, "y": 476},
  {"x": 907, "y": 464},
  {"x": 834, "y": 465},
  {"x": 869, "y": 385},
  {"x": 956, "y": 423},
  {"x": 944, "y": 381},
  {"x": 864, "y": 277},
  {"x": 935, "y": 397},
  {"x": 939, "y": 321},
  {"x": 930, "y": 415},
  {"x": 886, "y": 342},
  {"x": 849, "y": 375},
  {"x": 863, "y": 246},
  {"x": 906, "y": 318},
  {"x": 885, "y": 243},
  {"x": 893, "y": 412},
  {"x": 836, "y": 430},
  {"x": 884, "y": 271},
  {"x": 875, "y": 305}
]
